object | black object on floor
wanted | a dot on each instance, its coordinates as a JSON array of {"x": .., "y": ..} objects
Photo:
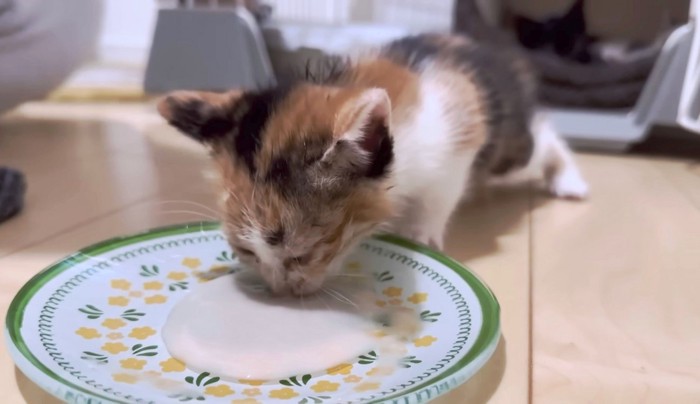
[{"x": 13, "y": 186}]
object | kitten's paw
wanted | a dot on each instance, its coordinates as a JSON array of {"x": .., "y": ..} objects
[
  {"x": 423, "y": 237},
  {"x": 568, "y": 184}
]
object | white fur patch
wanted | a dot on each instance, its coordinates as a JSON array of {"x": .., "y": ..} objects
[
  {"x": 550, "y": 151},
  {"x": 568, "y": 184},
  {"x": 430, "y": 175},
  {"x": 265, "y": 253}
]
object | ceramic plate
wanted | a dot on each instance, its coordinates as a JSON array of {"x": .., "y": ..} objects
[{"x": 88, "y": 327}]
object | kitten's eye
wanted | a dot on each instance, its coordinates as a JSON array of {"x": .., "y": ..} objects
[
  {"x": 245, "y": 251},
  {"x": 299, "y": 260}
]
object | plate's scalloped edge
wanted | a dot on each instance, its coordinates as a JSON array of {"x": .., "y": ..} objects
[
  {"x": 484, "y": 346},
  {"x": 15, "y": 312},
  {"x": 478, "y": 354}
]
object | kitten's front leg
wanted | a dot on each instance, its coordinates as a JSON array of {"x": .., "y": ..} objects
[
  {"x": 415, "y": 230},
  {"x": 432, "y": 203},
  {"x": 426, "y": 220}
]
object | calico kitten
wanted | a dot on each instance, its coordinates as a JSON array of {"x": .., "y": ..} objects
[{"x": 389, "y": 142}]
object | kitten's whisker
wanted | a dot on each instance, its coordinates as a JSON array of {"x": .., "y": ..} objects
[
  {"x": 193, "y": 203},
  {"x": 339, "y": 293},
  {"x": 233, "y": 195},
  {"x": 349, "y": 276},
  {"x": 339, "y": 296},
  {"x": 191, "y": 212}
]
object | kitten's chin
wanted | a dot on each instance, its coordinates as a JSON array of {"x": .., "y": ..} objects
[{"x": 307, "y": 288}]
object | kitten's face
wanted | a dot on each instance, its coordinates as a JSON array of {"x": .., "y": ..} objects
[{"x": 304, "y": 172}]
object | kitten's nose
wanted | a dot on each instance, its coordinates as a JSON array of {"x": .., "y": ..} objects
[{"x": 279, "y": 289}]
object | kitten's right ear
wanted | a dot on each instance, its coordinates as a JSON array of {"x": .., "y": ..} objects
[{"x": 203, "y": 116}]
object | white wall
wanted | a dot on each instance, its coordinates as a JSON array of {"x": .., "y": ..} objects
[
  {"x": 416, "y": 15},
  {"x": 128, "y": 24},
  {"x": 127, "y": 30}
]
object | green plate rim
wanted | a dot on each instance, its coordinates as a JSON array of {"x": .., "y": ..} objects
[{"x": 484, "y": 345}]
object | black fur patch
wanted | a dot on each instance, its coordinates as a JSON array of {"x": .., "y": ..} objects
[
  {"x": 329, "y": 69},
  {"x": 507, "y": 99},
  {"x": 276, "y": 237},
  {"x": 322, "y": 70},
  {"x": 412, "y": 51},
  {"x": 199, "y": 120},
  {"x": 508, "y": 105},
  {"x": 279, "y": 172},
  {"x": 289, "y": 170},
  {"x": 259, "y": 107},
  {"x": 383, "y": 154}
]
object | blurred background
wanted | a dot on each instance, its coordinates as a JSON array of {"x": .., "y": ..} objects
[
  {"x": 599, "y": 299},
  {"x": 627, "y": 64}
]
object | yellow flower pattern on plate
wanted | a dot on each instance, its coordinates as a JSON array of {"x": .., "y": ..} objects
[
  {"x": 353, "y": 267},
  {"x": 191, "y": 263},
  {"x": 172, "y": 365},
  {"x": 418, "y": 298},
  {"x": 142, "y": 332},
  {"x": 88, "y": 333},
  {"x": 342, "y": 369},
  {"x": 133, "y": 363},
  {"x": 114, "y": 347},
  {"x": 367, "y": 386},
  {"x": 392, "y": 291},
  {"x": 156, "y": 291},
  {"x": 156, "y": 299},
  {"x": 252, "y": 392},
  {"x": 324, "y": 386},
  {"x": 153, "y": 285},
  {"x": 177, "y": 276},
  {"x": 118, "y": 301},
  {"x": 113, "y": 323},
  {"x": 381, "y": 371},
  {"x": 352, "y": 379},
  {"x": 283, "y": 394},
  {"x": 424, "y": 341},
  {"x": 125, "y": 378},
  {"x": 219, "y": 390},
  {"x": 219, "y": 269},
  {"x": 121, "y": 284}
]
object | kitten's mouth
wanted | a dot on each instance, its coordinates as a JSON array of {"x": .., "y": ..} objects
[
  {"x": 305, "y": 289},
  {"x": 287, "y": 290},
  {"x": 299, "y": 288}
]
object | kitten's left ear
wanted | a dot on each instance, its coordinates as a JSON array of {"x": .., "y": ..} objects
[
  {"x": 364, "y": 145},
  {"x": 203, "y": 116}
]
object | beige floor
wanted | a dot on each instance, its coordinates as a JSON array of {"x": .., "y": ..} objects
[{"x": 600, "y": 299}]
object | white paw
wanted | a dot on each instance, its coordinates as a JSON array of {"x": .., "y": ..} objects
[
  {"x": 423, "y": 237},
  {"x": 569, "y": 184}
]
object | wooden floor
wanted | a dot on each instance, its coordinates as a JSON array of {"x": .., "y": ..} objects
[{"x": 601, "y": 300}]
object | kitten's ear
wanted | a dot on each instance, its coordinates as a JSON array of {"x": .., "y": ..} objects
[
  {"x": 203, "y": 116},
  {"x": 364, "y": 145}
]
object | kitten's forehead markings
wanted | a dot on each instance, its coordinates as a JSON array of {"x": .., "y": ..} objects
[{"x": 265, "y": 253}]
